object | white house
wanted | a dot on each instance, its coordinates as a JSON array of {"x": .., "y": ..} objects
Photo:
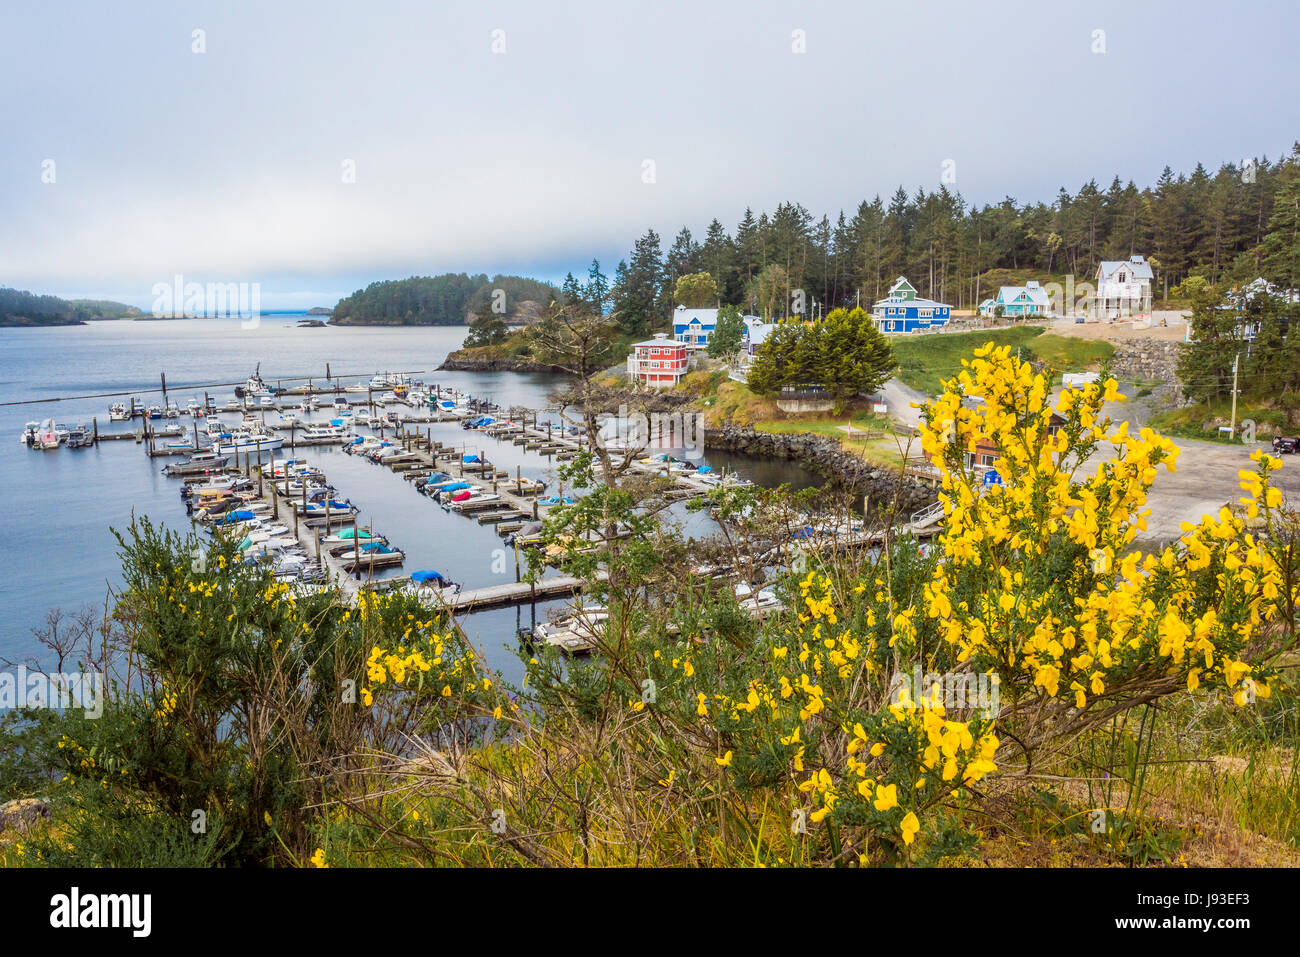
[
  {"x": 756, "y": 332},
  {"x": 1123, "y": 287}
]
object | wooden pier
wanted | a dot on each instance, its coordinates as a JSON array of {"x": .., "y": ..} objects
[{"x": 515, "y": 593}]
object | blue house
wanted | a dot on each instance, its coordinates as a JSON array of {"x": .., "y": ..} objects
[
  {"x": 1028, "y": 300},
  {"x": 902, "y": 311},
  {"x": 692, "y": 327}
]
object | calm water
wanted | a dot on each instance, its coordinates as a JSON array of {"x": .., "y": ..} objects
[{"x": 61, "y": 505}]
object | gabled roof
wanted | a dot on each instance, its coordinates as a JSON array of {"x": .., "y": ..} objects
[
  {"x": 920, "y": 303},
  {"x": 1141, "y": 268},
  {"x": 902, "y": 289},
  {"x": 1035, "y": 294},
  {"x": 683, "y": 315}
]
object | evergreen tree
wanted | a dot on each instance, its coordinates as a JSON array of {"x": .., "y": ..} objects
[
  {"x": 639, "y": 299},
  {"x": 728, "y": 333},
  {"x": 487, "y": 329},
  {"x": 1205, "y": 365},
  {"x": 597, "y": 288},
  {"x": 718, "y": 259},
  {"x": 1282, "y": 244},
  {"x": 571, "y": 291}
]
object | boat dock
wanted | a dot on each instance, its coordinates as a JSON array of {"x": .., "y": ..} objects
[
  {"x": 515, "y": 593},
  {"x": 498, "y": 499}
]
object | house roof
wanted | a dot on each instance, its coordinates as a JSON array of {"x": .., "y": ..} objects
[
  {"x": 908, "y": 290},
  {"x": 1261, "y": 285},
  {"x": 1141, "y": 268},
  {"x": 682, "y": 315},
  {"x": 757, "y": 331},
  {"x": 659, "y": 342},
  {"x": 1034, "y": 294},
  {"x": 922, "y": 303}
]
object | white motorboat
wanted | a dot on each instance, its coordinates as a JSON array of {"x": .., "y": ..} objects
[
  {"x": 579, "y": 633},
  {"x": 476, "y": 498},
  {"x": 253, "y": 442},
  {"x": 321, "y": 434},
  {"x": 348, "y": 535},
  {"x": 198, "y": 463},
  {"x": 760, "y": 603},
  {"x": 117, "y": 412}
]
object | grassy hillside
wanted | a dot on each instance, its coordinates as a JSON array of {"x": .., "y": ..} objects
[{"x": 926, "y": 360}]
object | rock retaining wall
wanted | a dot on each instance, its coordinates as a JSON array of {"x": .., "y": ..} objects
[
  {"x": 1146, "y": 359},
  {"x": 825, "y": 456}
]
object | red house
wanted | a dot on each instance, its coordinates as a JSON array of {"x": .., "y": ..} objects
[{"x": 659, "y": 362}]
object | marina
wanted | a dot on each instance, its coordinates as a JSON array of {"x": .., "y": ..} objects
[
  {"x": 472, "y": 544},
  {"x": 464, "y": 483}
]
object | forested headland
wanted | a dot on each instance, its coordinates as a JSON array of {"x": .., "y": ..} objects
[
  {"x": 21, "y": 308},
  {"x": 446, "y": 300}
]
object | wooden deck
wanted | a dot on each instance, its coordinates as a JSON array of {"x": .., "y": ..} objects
[{"x": 515, "y": 593}]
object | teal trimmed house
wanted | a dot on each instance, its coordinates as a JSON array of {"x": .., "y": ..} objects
[{"x": 1018, "y": 301}]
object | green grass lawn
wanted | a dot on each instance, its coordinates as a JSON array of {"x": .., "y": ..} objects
[
  {"x": 926, "y": 360},
  {"x": 879, "y": 451},
  {"x": 1200, "y": 421}
]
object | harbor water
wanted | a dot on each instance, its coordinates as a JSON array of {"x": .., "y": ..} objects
[{"x": 61, "y": 505}]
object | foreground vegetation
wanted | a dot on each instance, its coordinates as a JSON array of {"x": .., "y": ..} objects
[{"x": 1028, "y": 690}]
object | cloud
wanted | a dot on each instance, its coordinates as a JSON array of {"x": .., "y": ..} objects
[{"x": 226, "y": 165}]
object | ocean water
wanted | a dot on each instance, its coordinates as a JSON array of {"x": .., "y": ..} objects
[{"x": 59, "y": 506}]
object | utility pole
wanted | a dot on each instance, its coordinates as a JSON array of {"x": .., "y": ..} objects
[{"x": 1232, "y": 427}]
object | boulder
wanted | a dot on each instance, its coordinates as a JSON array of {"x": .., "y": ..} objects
[{"x": 21, "y": 814}]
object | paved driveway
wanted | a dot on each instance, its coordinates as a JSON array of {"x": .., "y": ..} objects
[{"x": 1206, "y": 479}]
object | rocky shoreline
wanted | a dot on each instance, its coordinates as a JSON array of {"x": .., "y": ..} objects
[
  {"x": 825, "y": 456},
  {"x": 458, "y": 363}
]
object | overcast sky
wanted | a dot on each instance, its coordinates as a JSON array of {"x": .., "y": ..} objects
[{"x": 228, "y": 165}]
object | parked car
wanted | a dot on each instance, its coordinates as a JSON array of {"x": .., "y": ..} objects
[{"x": 1284, "y": 445}]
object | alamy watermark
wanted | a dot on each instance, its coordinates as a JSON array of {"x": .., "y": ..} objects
[
  {"x": 213, "y": 300},
  {"x": 959, "y": 691},
  {"x": 22, "y": 688},
  {"x": 674, "y": 434}
]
